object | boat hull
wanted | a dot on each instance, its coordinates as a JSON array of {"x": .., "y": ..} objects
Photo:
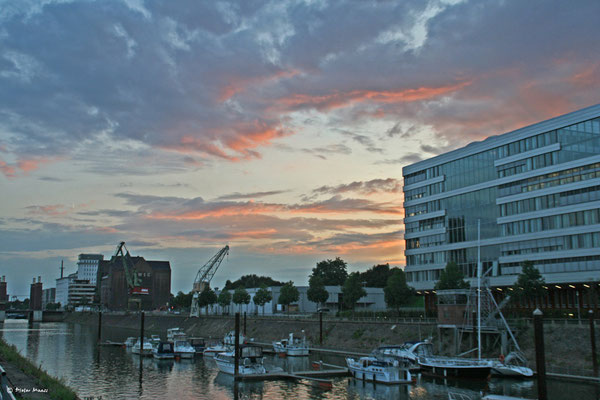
[
  {"x": 184, "y": 355},
  {"x": 163, "y": 356},
  {"x": 445, "y": 371},
  {"x": 512, "y": 371},
  {"x": 228, "y": 368}
]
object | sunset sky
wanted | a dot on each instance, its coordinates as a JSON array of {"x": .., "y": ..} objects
[{"x": 277, "y": 127}]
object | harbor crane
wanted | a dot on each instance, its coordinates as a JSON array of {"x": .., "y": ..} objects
[
  {"x": 203, "y": 278},
  {"x": 134, "y": 285}
]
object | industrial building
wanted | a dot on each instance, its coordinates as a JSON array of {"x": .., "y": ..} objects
[
  {"x": 154, "y": 275},
  {"x": 535, "y": 192}
]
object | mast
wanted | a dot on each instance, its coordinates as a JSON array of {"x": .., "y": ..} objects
[{"x": 479, "y": 289}]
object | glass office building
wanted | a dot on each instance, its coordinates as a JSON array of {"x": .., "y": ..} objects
[{"x": 536, "y": 193}]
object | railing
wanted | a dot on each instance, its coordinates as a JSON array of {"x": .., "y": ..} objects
[
  {"x": 570, "y": 371},
  {"x": 5, "y": 390}
]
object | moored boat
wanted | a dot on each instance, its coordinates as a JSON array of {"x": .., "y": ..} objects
[
  {"x": 130, "y": 342},
  {"x": 175, "y": 334},
  {"x": 198, "y": 344},
  {"x": 292, "y": 346},
  {"x": 379, "y": 371},
  {"x": 183, "y": 349},
  {"x": 143, "y": 350},
  {"x": 212, "y": 351},
  {"x": 455, "y": 367},
  {"x": 163, "y": 351},
  {"x": 250, "y": 361},
  {"x": 229, "y": 339}
]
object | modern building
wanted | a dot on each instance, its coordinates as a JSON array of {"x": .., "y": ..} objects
[
  {"x": 373, "y": 301},
  {"x": 87, "y": 267},
  {"x": 62, "y": 289},
  {"x": 535, "y": 193},
  {"x": 81, "y": 292}
]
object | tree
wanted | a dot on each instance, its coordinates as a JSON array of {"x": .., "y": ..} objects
[
  {"x": 396, "y": 292},
  {"x": 451, "y": 278},
  {"x": 288, "y": 294},
  {"x": 353, "y": 290},
  {"x": 207, "y": 297},
  {"x": 182, "y": 300},
  {"x": 241, "y": 296},
  {"x": 529, "y": 284},
  {"x": 377, "y": 275},
  {"x": 316, "y": 290},
  {"x": 252, "y": 281},
  {"x": 333, "y": 272},
  {"x": 262, "y": 297},
  {"x": 224, "y": 299}
]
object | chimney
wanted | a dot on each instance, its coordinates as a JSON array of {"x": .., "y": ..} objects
[
  {"x": 34, "y": 279},
  {"x": 39, "y": 279}
]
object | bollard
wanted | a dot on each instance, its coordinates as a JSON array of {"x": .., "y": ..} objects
[
  {"x": 593, "y": 340},
  {"x": 321, "y": 328},
  {"x": 236, "y": 364},
  {"x": 540, "y": 357},
  {"x": 99, "y": 326}
]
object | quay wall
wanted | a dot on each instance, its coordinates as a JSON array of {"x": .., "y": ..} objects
[{"x": 568, "y": 347}]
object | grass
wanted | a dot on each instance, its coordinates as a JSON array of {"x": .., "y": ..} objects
[{"x": 56, "y": 388}]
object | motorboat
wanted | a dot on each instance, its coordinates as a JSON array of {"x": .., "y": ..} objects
[
  {"x": 292, "y": 346},
  {"x": 143, "y": 350},
  {"x": 183, "y": 349},
  {"x": 229, "y": 339},
  {"x": 155, "y": 340},
  {"x": 250, "y": 361},
  {"x": 407, "y": 352},
  {"x": 212, "y": 351},
  {"x": 130, "y": 342},
  {"x": 163, "y": 351},
  {"x": 198, "y": 344},
  {"x": 514, "y": 366},
  {"x": 379, "y": 371},
  {"x": 174, "y": 334}
]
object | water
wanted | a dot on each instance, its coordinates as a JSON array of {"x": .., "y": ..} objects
[{"x": 69, "y": 351}]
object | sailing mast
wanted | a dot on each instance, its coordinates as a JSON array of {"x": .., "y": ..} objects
[{"x": 479, "y": 289}]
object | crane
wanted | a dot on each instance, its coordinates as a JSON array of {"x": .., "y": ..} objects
[
  {"x": 203, "y": 278},
  {"x": 134, "y": 285}
]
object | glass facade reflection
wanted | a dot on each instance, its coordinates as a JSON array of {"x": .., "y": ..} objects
[{"x": 535, "y": 191}]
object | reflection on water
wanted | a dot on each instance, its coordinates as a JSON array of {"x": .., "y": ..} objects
[{"x": 70, "y": 352}]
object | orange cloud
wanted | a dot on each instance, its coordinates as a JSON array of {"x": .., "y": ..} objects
[
  {"x": 8, "y": 170},
  {"x": 344, "y": 99},
  {"x": 588, "y": 76},
  {"x": 238, "y": 85},
  {"x": 26, "y": 166},
  {"x": 51, "y": 210}
]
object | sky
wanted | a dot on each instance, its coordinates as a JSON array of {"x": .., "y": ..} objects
[{"x": 277, "y": 127}]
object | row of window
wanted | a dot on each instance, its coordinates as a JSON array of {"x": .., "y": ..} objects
[
  {"x": 430, "y": 206},
  {"x": 420, "y": 176},
  {"x": 577, "y": 218},
  {"x": 428, "y": 190},
  {"x": 573, "y": 264},
  {"x": 578, "y": 196},
  {"x": 570, "y": 242},
  {"x": 571, "y": 175},
  {"x": 539, "y": 161},
  {"x": 425, "y": 225},
  {"x": 426, "y": 241}
]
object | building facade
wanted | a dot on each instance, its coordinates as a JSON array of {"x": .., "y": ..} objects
[
  {"x": 87, "y": 267},
  {"x": 535, "y": 193},
  {"x": 48, "y": 296}
]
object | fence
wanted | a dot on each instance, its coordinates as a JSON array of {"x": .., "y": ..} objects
[{"x": 5, "y": 390}]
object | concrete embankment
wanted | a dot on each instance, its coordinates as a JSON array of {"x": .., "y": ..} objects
[{"x": 567, "y": 346}]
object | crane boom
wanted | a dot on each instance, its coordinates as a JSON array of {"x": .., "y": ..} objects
[
  {"x": 133, "y": 280},
  {"x": 204, "y": 276}
]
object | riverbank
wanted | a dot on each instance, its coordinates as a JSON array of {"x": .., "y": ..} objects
[
  {"x": 568, "y": 348},
  {"x": 29, "y": 381}
]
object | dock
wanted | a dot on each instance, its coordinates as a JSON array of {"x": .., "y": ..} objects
[{"x": 317, "y": 376}]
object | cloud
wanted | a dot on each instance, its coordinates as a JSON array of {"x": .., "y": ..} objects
[
  {"x": 389, "y": 185},
  {"x": 409, "y": 158},
  {"x": 253, "y": 195}
]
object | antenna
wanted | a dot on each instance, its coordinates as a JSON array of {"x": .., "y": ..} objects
[{"x": 62, "y": 268}]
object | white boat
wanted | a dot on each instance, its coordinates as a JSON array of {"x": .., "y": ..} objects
[
  {"x": 175, "y": 334},
  {"x": 229, "y": 339},
  {"x": 455, "y": 367},
  {"x": 155, "y": 340},
  {"x": 408, "y": 352},
  {"x": 145, "y": 350},
  {"x": 212, "y": 351},
  {"x": 130, "y": 342},
  {"x": 378, "y": 371},
  {"x": 163, "y": 351},
  {"x": 250, "y": 361},
  {"x": 292, "y": 346},
  {"x": 198, "y": 344},
  {"x": 183, "y": 349}
]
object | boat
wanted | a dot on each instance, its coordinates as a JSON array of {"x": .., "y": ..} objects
[
  {"x": 514, "y": 366},
  {"x": 183, "y": 349},
  {"x": 174, "y": 334},
  {"x": 378, "y": 371},
  {"x": 455, "y": 367},
  {"x": 212, "y": 351},
  {"x": 198, "y": 344},
  {"x": 130, "y": 342},
  {"x": 163, "y": 351},
  {"x": 155, "y": 340},
  {"x": 145, "y": 350},
  {"x": 292, "y": 346},
  {"x": 408, "y": 352},
  {"x": 250, "y": 361}
]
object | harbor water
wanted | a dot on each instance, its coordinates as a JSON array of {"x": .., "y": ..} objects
[{"x": 70, "y": 352}]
